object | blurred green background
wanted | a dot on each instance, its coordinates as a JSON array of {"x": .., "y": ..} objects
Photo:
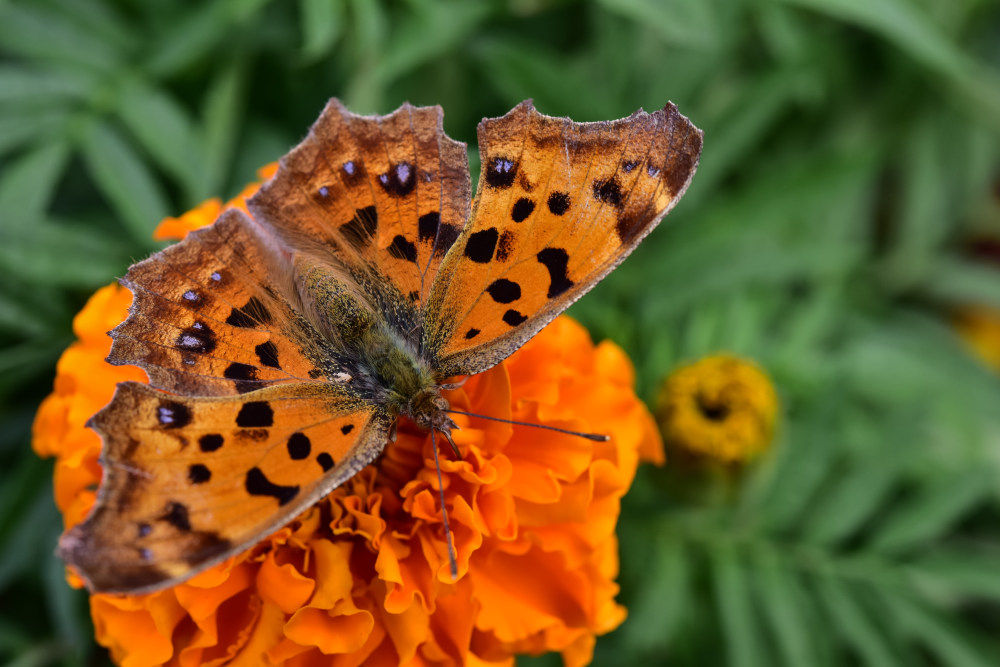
[{"x": 852, "y": 151}]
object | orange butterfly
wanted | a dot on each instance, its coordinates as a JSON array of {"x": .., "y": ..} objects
[{"x": 282, "y": 349}]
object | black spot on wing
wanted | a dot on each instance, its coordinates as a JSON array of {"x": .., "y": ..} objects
[
  {"x": 513, "y": 317},
  {"x": 257, "y": 484},
  {"x": 558, "y": 203},
  {"x": 196, "y": 338},
  {"x": 346, "y": 428},
  {"x": 171, "y": 414},
  {"x": 480, "y": 246},
  {"x": 199, "y": 473},
  {"x": 243, "y": 375},
  {"x": 500, "y": 172},
  {"x": 250, "y": 315},
  {"x": 504, "y": 291},
  {"x": 210, "y": 442},
  {"x": 399, "y": 181},
  {"x": 608, "y": 191},
  {"x": 176, "y": 515},
  {"x": 267, "y": 353},
  {"x": 360, "y": 229},
  {"x": 325, "y": 461},
  {"x": 400, "y": 248},
  {"x": 522, "y": 209},
  {"x": 299, "y": 446},
  {"x": 255, "y": 414},
  {"x": 471, "y": 333},
  {"x": 556, "y": 260},
  {"x": 427, "y": 226}
]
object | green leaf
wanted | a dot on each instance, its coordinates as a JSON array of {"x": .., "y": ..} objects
[
  {"x": 735, "y": 608},
  {"x": 190, "y": 39},
  {"x": 656, "y": 613},
  {"x": 322, "y": 24},
  {"x": 28, "y": 184},
  {"x": 222, "y": 117},
  {"x": 853, "y": 623},
  {"x": 36, "y": 32},
  {"x": 164, "y": 129},
  {"x": 688, "y": 23},
  {"x": 123, "y": 178},
  {"x": 852, "y": 500},
  {"x": 18, "y": 129},
  {"x": 935, "y": 631},
  {"x": 35, "y": 86},
  {"x": 785, "y": 608},
  {"x": 934, "y": 510},
  {"x": 68, "y": 254},
  {"x": 910, "y": 29}
]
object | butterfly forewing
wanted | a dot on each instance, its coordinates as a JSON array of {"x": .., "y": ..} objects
[
  {"x": 559, "y": 204},
  {"x": 212, "y": 316},
  {"x": 387, "y": 195}
]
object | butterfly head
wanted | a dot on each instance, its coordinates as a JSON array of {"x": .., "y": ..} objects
[{"x": 429, "y": 410}]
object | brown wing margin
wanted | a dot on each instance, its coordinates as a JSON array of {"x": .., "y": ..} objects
[{"x": 558, "y": 206}]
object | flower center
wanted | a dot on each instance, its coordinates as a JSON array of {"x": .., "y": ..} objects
[{"x": 713, "y": 409}]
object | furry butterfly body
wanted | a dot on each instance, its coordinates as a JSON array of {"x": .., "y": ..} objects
[{"x": 283, "y": 347}]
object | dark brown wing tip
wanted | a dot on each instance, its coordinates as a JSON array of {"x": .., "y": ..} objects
[{"x": 101, "y": 574}]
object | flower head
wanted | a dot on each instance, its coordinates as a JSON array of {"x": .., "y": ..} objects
[
  {"x": 363, "y": 576},
  {"x": 721, "y": 407}
]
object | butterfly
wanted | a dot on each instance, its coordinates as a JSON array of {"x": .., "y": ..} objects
[{"x": 282, "y": 347}]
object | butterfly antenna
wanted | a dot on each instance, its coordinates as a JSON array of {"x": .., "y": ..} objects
[
  {"x": 596, "y": 437},
  {"x": 452, "y": 560}
]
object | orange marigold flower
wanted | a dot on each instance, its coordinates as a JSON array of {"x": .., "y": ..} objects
[
  {"x": 363, "y": 576},
  {"x": 721, "y": 407}
]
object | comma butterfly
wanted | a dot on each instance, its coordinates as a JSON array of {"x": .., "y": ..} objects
[{"x": 282, "y": 348}]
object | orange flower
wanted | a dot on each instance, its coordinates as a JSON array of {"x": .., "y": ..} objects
[{"x": 363, "y": 576}]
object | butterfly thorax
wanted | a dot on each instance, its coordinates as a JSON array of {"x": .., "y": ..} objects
[{"x": 379, "y": 348}]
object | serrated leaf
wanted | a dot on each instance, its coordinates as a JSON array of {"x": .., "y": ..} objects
[
  {"x": 28, "y": 184},
  {"x": 322, "y": 24},
  {"x": 125, "y": 180},
  {"x": 164, "y": 129}
]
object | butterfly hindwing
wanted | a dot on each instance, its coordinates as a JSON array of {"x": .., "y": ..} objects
[
  {"x": 559, "y": 204},
  {"x": 190, "y": 481},
  {"x": 387, "y": 195}
]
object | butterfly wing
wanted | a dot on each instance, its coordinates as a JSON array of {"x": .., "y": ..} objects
[
  {"x": 191, "y": 481},
  {"x": 559, "y": 205},
  {"x": 251, "y": 415},
  {"x": 213, "y": 315},
  {"x": 383, "y": 195}
]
